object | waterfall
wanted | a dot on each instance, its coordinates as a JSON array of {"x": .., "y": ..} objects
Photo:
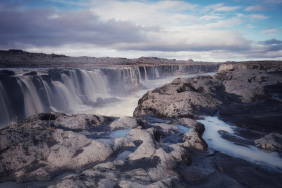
[
  {"x": 4, "y": 107},
  {"x": 180, "y": 68},
  {"x": 94, "y": 84},
  {"x": 157, "y": 74},
  {"x": 32, "y": 102},
  {"x": 139, "y": 74},
  {"x": 145, "y": 72},
  {"x": 23, "y": 94},
  {"x": 69, "y": 91}
]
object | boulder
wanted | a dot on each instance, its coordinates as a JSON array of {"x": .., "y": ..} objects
[
  {"x": 181, "y": 98},
  {"x": 37, "y": 151},
  {"x": 271, "y": 141},
  {"x": 124, "y": 123}
]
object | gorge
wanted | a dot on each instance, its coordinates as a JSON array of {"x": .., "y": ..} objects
[{"x": 195, "y": 125}]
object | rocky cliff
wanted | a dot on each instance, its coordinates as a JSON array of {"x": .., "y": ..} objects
[
  {"x": 146, "y": 151},
  {"x": 246, "y": 94}
]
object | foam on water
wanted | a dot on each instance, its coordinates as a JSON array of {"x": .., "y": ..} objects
[{"x": 251, "y": 153}]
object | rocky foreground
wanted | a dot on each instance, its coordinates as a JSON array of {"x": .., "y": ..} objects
[{"x": 162, "y": 145}]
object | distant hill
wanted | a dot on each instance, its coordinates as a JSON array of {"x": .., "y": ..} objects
[{"x": 20, "y": 58}]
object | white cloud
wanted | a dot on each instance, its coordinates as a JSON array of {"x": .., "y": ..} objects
[
  {"x": 269, "y": 31},
  {"x": 210, "y": 17},
  {"x": 131, "y": 28},
  {"x": 219, "y": 8},
  {"x": 258, "y": 17},
  {"x": 153, "y": 13},
  {"x": 256, "y": 8},
  {"x": 250, "y": 26}
]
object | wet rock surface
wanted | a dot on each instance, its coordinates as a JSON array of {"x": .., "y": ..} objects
[
  {"x": 245, "y": 96},
  {"x": 45, "y": 145},
  {"x": 153, "y": 153},
  {"x": 162, "y": 146},
  {"x": 36, "y": 149}
]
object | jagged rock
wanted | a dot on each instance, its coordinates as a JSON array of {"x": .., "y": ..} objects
[
  {"x": 271, "y": 141},
  {"x": 71, "y": 181},
  {"x": 37, "y": 151},
  {"x": 248, "y": 83},
  {"x": 124, "y": 123},
  {"x": 194, "y": 140},
  {"x": 199, "y": 127},
  {"x": 154, "y": 171},
  {"x": 196, "y": 175},
  {"x": 181, "y": 98},
  {"x": 81, "y": 121}
]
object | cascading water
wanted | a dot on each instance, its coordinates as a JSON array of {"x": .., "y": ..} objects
[
  {"x": 157, "y": 74},
  {"x": 4, "y": 109},
  {"x": 32, "y": 101},
  {"x": 27, "y": 92},
  {"x": 70, "y": 91},
  {"x": 146, "y": 76}
]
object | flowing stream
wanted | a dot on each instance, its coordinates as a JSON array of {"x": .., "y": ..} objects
[
  {"x": 70, "y": 97},
  {"x": 239, "y": 147}
]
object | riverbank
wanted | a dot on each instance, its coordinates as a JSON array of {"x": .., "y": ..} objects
[{"x": 170, "y": 142}]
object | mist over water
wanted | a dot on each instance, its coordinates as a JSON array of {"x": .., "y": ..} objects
[
  {"x": 110, "y": 91},
  {"x": 126, "y": 106}
]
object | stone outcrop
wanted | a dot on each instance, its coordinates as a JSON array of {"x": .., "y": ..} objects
[
  {"x": 181, "y": 98},
  {"x": 271, "y": 141},
  {"x": 36, "y": 148},
  {"x": 238, "y": 93},
  {"x": 44, "y": 145},
  {"x": 144, "y": 151},
  {"x": 269, "y": 66},
  {"x": 193, "y": 138}
]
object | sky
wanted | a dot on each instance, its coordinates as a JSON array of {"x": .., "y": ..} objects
[{"x": 202, "y": 30}]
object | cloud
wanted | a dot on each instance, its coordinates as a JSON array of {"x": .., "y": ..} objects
[
  {"x": 219, "y": 8},
  {"x": 51, "y": 28},
  {"x": 272, "y": 45},
  {"x": 258, "y": 17},
  {"x": 256, "y": 8},
  {"x": 210, "y": 17},
  {"x": 271, "y": 42},
  {"x": 132, "y": 28},
  {"x": 187, "y": 40},
  {"x": 250, "y": 26},
  {"x": 269, "y": 31},
  {"x": 160, "y": 13}
]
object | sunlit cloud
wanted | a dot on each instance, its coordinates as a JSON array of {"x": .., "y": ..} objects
[
  {"x": 219, "y": 8},
  {"x": 171, "y": 29},
  {"x": 269, "y": 31},
  {"x": 258, "y": 17},
  {"x": 256, "y": 8}
]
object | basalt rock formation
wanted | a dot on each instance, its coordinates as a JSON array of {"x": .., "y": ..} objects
[
  {"x": 162, "y": 145},
  {"x": 44, "y": 145},
  {"x": 241, "y": 94}
]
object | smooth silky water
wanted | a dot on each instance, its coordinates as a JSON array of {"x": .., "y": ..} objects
[
  {"x": 249, "y": 153},
  {"x": 126, "y": 106}
]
